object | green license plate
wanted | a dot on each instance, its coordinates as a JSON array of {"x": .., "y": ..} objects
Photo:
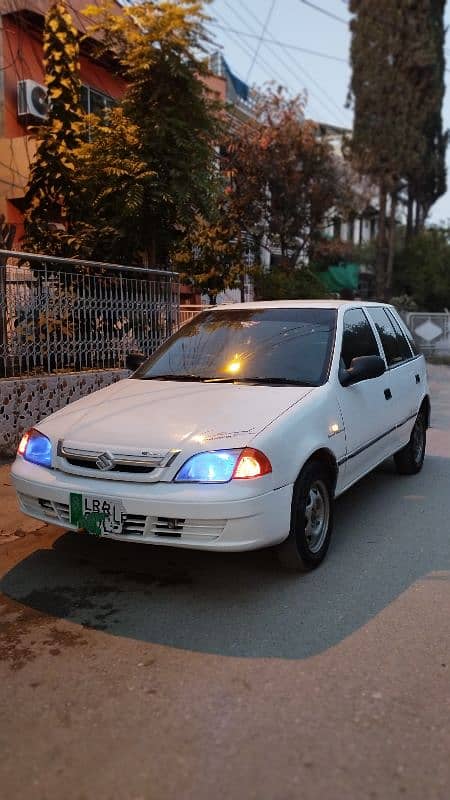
[{"x": 96, "y": 515}]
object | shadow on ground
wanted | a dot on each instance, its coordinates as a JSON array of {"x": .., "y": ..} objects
[{"x": 390, "y": 531}]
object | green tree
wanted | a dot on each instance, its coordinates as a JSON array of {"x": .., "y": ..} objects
[
  {"x": 428, "y": 180},
  {"x": 422, "y": 270},
  {"x": 211, "y": 255},
  {"x": 113, "y": 181},
  {"x": 287, "y": 284},
  {"x": 50, "y": 197},
  {"x": 395, "y": 90},
  {"x": 158, "y": 47}
]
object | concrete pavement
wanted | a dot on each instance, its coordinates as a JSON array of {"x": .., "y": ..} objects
[{"x": 132, "y": 672}]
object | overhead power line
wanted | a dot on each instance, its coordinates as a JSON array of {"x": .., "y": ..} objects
[
  {"x": 328, "y": 104},
  {"x": 268, "y": 68},
  {"x": 285, "y": 45},
  {"x": 324, "y": 11},
  {"x": 264, "y": 28}
]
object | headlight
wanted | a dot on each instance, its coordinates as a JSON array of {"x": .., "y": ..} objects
[
  {"x": 220, "y": 466},
  {"x": 36, "y": 448}
]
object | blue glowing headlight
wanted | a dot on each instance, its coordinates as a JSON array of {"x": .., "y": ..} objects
[
  {"x": 38, "y": 449},
  {"x": 213, "y": 467}
]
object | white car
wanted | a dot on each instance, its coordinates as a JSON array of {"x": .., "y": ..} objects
[{"x": 238, "y": 433}]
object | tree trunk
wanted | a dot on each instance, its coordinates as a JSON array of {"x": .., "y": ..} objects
[
  {"x": 418, "y": 219},
  {"x": 391, "y": 244},
  {"x": 380, "y": 263},
  {"x": 410, "y": 215},
  {"x": 7, "y": 235}
]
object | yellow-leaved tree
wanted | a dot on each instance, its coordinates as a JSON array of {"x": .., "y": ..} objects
[
  {"x": 170, "y": 123},
  {"x": 50, "y": 196}
]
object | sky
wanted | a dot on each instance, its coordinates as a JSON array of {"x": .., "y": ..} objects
[{"x": 238, "y": 24}]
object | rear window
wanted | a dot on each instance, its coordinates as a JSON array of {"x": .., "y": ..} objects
[
  {"x": 395, "y": 346},
  {"x": 405, "y": 330}
]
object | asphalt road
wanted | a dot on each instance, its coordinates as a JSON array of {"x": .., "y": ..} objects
[{"x": 134, "y": 673}]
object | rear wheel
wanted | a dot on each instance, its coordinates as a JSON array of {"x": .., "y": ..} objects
[
  {"x": 311, "y": 519},
  {"x": 409, "y": 460}
]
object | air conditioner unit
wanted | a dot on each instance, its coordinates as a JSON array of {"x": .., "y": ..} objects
[{"x": 31, "y": 99}]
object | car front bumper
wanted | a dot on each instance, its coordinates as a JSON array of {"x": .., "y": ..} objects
[{"x": 209, "y": 520}]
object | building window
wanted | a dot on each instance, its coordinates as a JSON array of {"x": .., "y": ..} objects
[{"x": 95, "y": 102}]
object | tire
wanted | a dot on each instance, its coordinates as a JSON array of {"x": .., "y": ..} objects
[
  {"x": 312, "y": 503},
  {"x": 409, "y": 460}
]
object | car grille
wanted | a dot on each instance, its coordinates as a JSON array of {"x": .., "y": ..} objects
[
  {"x": 138, "y": 466},
  {"x": 89, "y": 464}
]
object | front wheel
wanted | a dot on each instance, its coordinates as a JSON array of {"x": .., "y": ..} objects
[
  {"x": 311, "y": 519},
  {"x": 409, "y": 460}
]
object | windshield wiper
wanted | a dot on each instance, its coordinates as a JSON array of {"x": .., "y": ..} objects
[
  {"x": 201, "y": 379},
  {"x": 169, "y": 377},
  {"x": 262, "y": 381},
  {"x": 277, "y": 381}
]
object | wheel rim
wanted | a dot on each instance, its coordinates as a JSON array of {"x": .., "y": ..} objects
[
  {"x": 317, "y": 516},
  {"x": 418, "y": 441}
]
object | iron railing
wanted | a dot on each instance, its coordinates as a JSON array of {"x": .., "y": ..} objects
[
  {"x": 60, "y": 314},
  {"x": 188, "y": 312}
]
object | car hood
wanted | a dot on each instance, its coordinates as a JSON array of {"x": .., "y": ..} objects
[{"x": 138, "y": 414}]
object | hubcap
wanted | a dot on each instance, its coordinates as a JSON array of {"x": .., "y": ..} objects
[{"x": 317, "y": 515}]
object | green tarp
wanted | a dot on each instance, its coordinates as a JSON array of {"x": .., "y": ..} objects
[{"x": 341, "y": 276}]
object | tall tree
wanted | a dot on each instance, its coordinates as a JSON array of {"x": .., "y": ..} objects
[
  {"x": 392, "y": 61},
  {"x": 50, "y": 196},
  {"x": 428, "y": 181},
  {"x": 158, "y": 46}
]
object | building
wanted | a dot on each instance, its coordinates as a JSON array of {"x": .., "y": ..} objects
[
  {"x": 361, "y": 226},
  {"x": 22, "y": 96}
]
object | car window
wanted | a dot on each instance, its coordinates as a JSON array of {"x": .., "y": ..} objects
[
  {"x": 405, "y": 331},
  {"x": 358, "y": 338},
  {"x": 260, "y": 344},
  {"x": 395, "y": 346}
]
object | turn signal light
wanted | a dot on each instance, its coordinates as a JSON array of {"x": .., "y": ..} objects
[
  {"x": 252, "y": 464},
  {"x": 23, "y": 443}
]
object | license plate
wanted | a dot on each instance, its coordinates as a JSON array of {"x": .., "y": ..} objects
[{"x": 96, "y": 515}]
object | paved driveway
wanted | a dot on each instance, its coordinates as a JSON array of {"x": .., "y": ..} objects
[{"x": 144, "y": 673}]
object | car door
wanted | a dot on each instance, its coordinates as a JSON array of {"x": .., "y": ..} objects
[
  {"x": 366, "y": 411},
  {"x": 403, "y": 375}
]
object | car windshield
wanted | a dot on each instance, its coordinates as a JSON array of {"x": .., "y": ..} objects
[{"x": 266, "y": 345}]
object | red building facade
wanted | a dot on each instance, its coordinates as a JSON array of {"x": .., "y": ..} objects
[{"x": 21, "y": 67}]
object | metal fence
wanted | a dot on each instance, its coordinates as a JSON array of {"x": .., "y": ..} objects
[
  {"x": 59, "y": 314},
  {"x": 431, "y": 331}
]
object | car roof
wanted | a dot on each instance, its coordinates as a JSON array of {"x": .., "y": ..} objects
[{"x": 329, "y": 304}]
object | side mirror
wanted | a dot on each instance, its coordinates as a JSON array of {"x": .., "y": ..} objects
[
  {"x": 134, "y": 360},
  {"x": 362, "y": 368}
]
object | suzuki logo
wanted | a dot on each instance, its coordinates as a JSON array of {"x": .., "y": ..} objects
[{"x": 105, "y": 462}]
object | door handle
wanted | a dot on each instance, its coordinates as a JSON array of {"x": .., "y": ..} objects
[
  {"x": 417, "y": 378},
  {"x": 388, "y": 394}
]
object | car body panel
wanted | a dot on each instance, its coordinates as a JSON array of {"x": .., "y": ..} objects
[{"x": 168, "y": 414}]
